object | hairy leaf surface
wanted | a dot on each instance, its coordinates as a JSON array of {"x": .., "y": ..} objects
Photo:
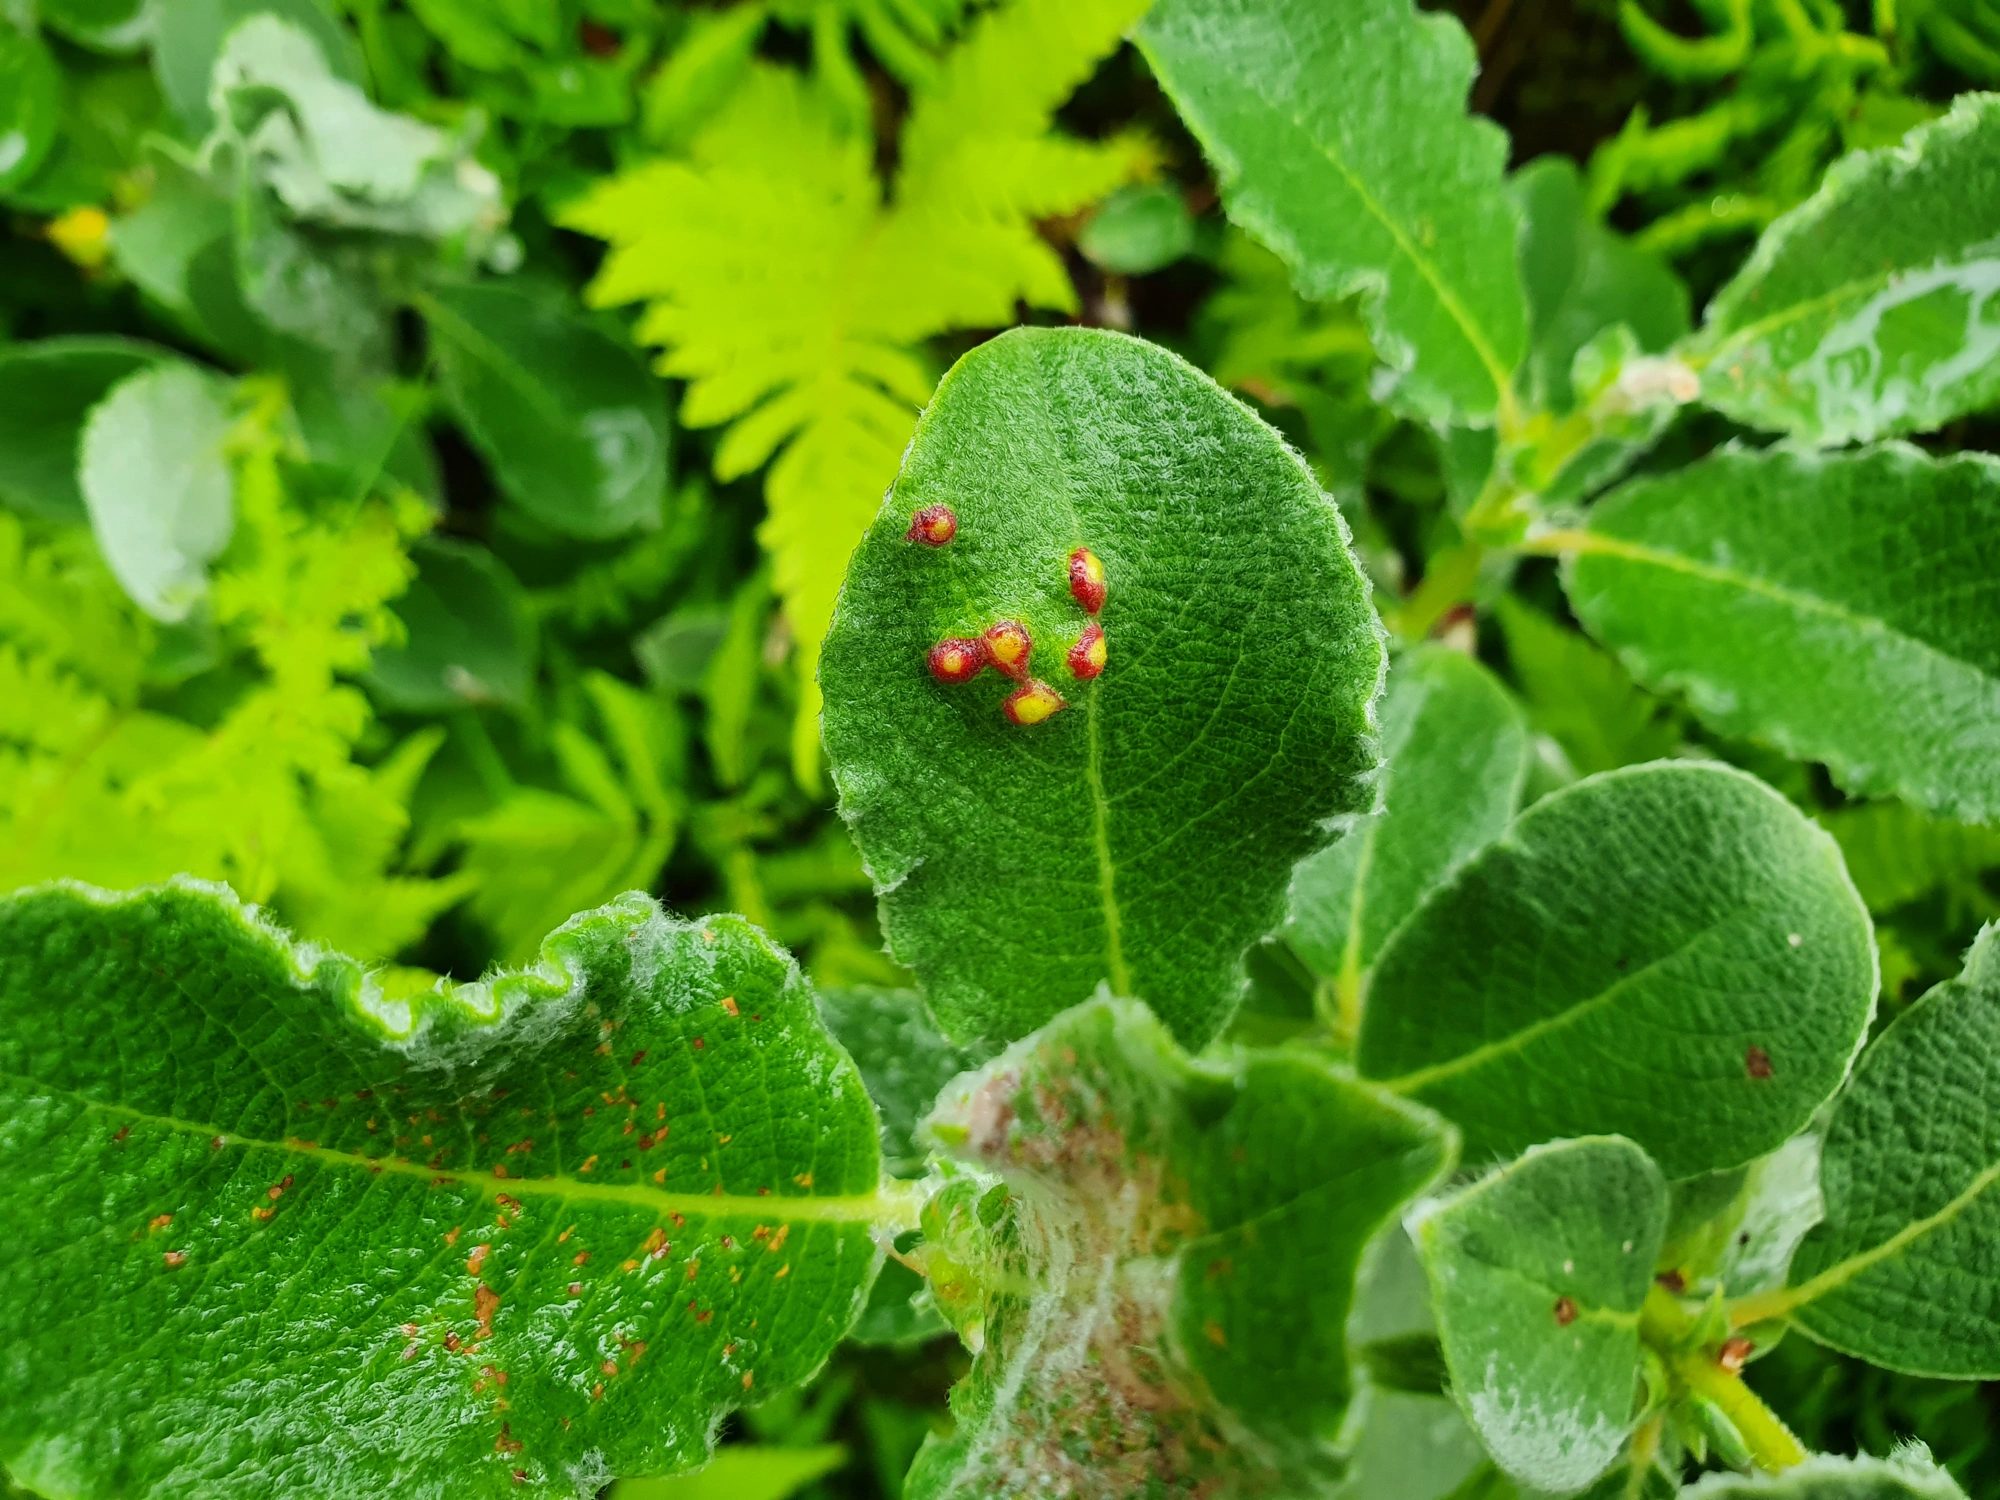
[
  {"x": 1537, "y": 1274},
  {"x": 1456, "y": 750},
  {"x": 1154, "y": 1260},
  {"x": 273, "y": 1231},
  {"x": 1907, "y": 1475},
  {"x": 1672, "y": 953},
  {"x": 1289, "y": 101},
  {"x": 904, "y": 1059},
  {"x": 1839, "y": 607},
  {"x": 1142, "y": 836},
  {"x": 1870, "y": 308},
  {"x": 1905, "y": 1270}
]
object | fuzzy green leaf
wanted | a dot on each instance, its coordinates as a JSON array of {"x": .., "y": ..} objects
[
  {"x": 1154, "y": 1259},
  {"x": 1289, "y": 100},
  {"x": 1456, "y": 750},
  {"x": 502, "y": 1238},
  {"x": 1905, "y": 1269},
  {"x": 1142, "y": 837},
  {"x": 573, "y": 423},
  {"x": 1869, "y": 309},
  {"x": 1906, "y": 1475},
  {"x": 188, "y": 34},
  {"x": 30, "y": 103},
  {"x": 157, "y": 484},
  {"x": 904, "y": 1059},
  {"x": 1839, "y": 607},
  {"x": 1672, "y": 953},
  {"x": 47, "y": 387},
  {"x": 1537, "y": 1274}
]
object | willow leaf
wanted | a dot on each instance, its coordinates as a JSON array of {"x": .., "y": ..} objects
[
  {"x": 1752, "y": 581},
  {"x": 1142, "y": 835},
  {"x": 1909, "y": 1474},
  {"x": 1870, "y": 308},
  {"x": 1905, "y": 1269},
  {"x": 1154, "y": 1259},
  {"x": 275, "y": 1231},
  {"x": 1671, "y": 953},
  {"x": 1288, "y": 100}
]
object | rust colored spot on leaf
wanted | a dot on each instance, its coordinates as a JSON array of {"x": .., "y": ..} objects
[
  {"x": 955, "y": 659},
  {"x": 262, "y": 1215},
  {"x": 1086, "y": 579},
  {"x": 1565, "y": 1311},
  {"x": 933, "y": 526},
  {"x": 638, "y": 1057},
  {"x": 1673, "y": 1281},
  {"x": 580, "y": 1258},
  {"x": 485, "y": 1302},
  {"x": 1756, "y": 1061},
  {"x": 697, "y": 1044},
  {"x": 783, "y": 1271},
  {"x": 1008, "y": 647},
  {"x": 175, "y": 1259},
  {"x": 476, "y": 1260},
  {"x": 1086, "y": 657},
  {"x": 160, "y": 1221},
  {"x": 660, "y": 1176},
  {"x": 1215, "y": 1334},
  {"x": 778, "y": 1239},
  {"x": 576, "y": 1289},
  {"x": 1733, "y": 1354},
  {"x": 656, "y": 1243},
  {"x": 506, "y": 1442},
  {"x": 728, "y": 1003},
  {"x": 749, "y": 1378},
  {"x": 589, "y": 1162},
  {"x": 609, "y": 1367},
  {"x": 1032, "y": 704},
  {"x": 118, "y": 1136},
  {"x": 451, "y": 1235}
]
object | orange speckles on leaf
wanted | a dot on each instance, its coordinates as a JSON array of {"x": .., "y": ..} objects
[
  {"x": 477, "y": 1260},
  {"x": 428, "y": 1141},
  {"x": 638, "y": 1350},
  {"x": 485, "y": 1302},
  {"x": 409, "y": 1351},
  {"x": 500, "y": 1170},
  {"x": 804, "y": 1179},
  {"x": 1032, "y": 704},
  {"x": 1226, "y": 1266},
  {"x": 1565, "y": 1311},
  {"x": 1757, "y": 1062},
  {"x": 506, "y": 1442},
  {"x": 451, "y": 1343},
  {"x": 576, "y": 1289},
  {"x": 782, "y": 1272},
  {"x": 1008, "y": 647},
  {"x": 933, "y": 526},
  {"x": 660, "y": 1110},
  {"x": 679, "y": 1222},
  {"x": 629, "y": 1127},
  {"x": 694, "y": 1269},
  {"x": 1734, "y": 1354},
  {"x": 580, "y": 1257},
  {"x": 520, "y": 1476},
  {"x": 698, "y": 1044},
  {"x": 638, "y": 1057},
  {"x": 262, "y": 1215},
  {"x": 175, "y": 1259},
  {"x": 216, "y": 1143},
  {"x": 277, "y": 1189},
  {"x": 597, "y": 1391},
  {"x": 566, "y": 1234},
  {"x": 609, "y": 1367},
  {"x": 451, "y": 1235},
  {"x": 749, "y": 1379},
  {"x": 778, "y": 1239},
  {"x": 1673, "y": 1281},
  {"x": 628, "y": 1265},
  {"x": 728, "y": 1242},
  {"x": 656, "y": 1244},
  {"x": 1215, "y": 1334},
  {"x": 728, "y": 1349},
  {"x": 660, "y": 1176},
  {"x": 159, "y": 1222},
  {"x": 723, "y": 1140},
  {"x": 589, "y": 1164},
  {"x": 118, "y": 1136},
  {"x": 1086, "y": 579},
  {"x": 1086, "y": 657},
  {"x": 728, "y": 1003},
  {"x": 604, "y": 1049}
]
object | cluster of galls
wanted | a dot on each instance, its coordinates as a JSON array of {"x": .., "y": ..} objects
[{"x": 1006, "y": 646}]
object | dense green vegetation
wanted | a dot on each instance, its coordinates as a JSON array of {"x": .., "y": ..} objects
[{"x": 1513, "y": 680}]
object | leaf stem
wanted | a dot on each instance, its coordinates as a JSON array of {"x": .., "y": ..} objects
[{"x": 1698, "y": 1367}]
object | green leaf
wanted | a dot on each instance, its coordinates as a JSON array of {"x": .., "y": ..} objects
[
  {"x": 903, "y": 1057},
  {"x": 1537, "y": 1273},
  {"x": 188, "y": 36},
  {"x": 1141, "y": 837},
  {"x": 1456, "y": 750},
  {"x": 1582, "y": 278},
  {"x": 1903, "y": 1271},
  {"x": 555, "y": 1175},
  {"x": 46, "y": 389},
  {"x": 1140, "y": 228},
  {"x": 1897, "y": 855},
  {"x": 1868, "y": 309},
  {"x": 1289, "y": 101},
  {"x": 30, "y": 104},
  {"x": 1839, "y": 607},
  {"x": 102, "y": 25},
  {"x": 469, "y": 636},
  {"x": 741, "y": 1474},
  {"x": 1154, "y": 1259},
  {"x": 1909, "y": 1474},
  {"x": 1671, "y": 953},
  {"x": 1580, "y": 696},
  {"x": 157, "y": 483},
  {"x": 573, "y": 423}
]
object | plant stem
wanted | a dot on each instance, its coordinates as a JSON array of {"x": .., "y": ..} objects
[{"x": 1771, "y": 1443}]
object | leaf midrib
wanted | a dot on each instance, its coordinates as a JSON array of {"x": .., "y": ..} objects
[{"x": 877, "y": 1207}]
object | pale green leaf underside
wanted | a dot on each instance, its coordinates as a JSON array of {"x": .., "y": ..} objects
[
  {"x": 1906, "y": 1476},
  {"x": 1609, "y": 965},
  {"x": 903, "y": 1057},
  {"x": 1143, "y": 836},
  {"x": 1456, "y": 751},
  {"x": 1870, "y": 309},
  {"x": 1537, "y": 1275},
  {"x": 1169, "y": 1267},
  {"x": 1289, "y": 101},
  {"x": 273, "y": 1233},
  {"x": 1905, "y": 1270},
  {"x": 1839, "y": 607}
]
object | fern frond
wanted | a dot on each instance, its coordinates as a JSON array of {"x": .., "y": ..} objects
[{"x": 794, "y": 294}]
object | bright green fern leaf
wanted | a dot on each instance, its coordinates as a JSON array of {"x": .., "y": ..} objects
[{"x": 792, "y": 292}]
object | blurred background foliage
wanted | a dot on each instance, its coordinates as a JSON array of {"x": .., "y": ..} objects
[{"x": 432, "y": 431}]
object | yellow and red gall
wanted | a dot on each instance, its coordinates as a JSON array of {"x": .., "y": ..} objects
[
  {"x": 1031, "y": 703},
  {"x": 933, "y": 526},
  {"x": 1007, "y": 646},
  {"x": 1086, "y": 579},
  {"x": 1086, "y": 657},
  {"x": 955, "y": 659}
]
